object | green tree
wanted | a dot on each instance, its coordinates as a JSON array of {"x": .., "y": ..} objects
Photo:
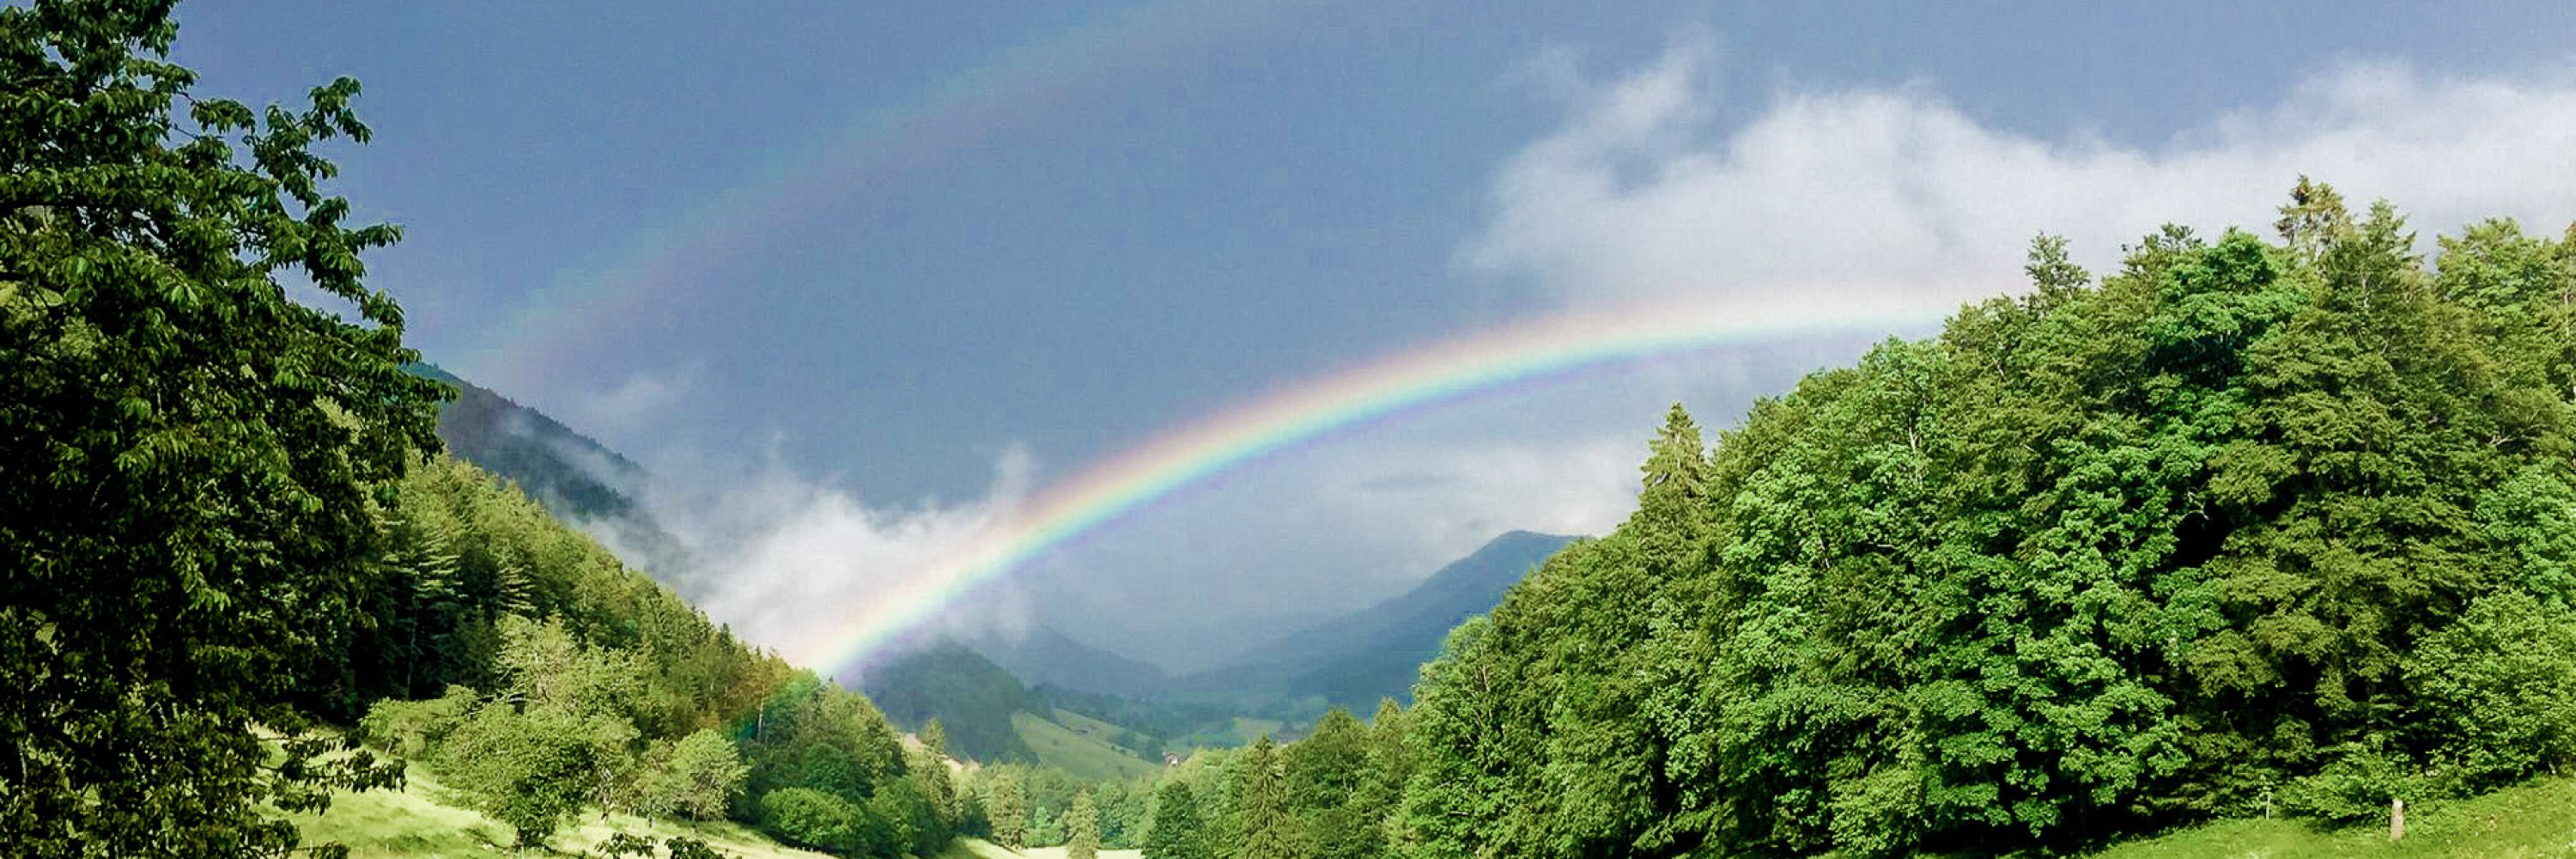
[
  {"x": 811, "y": 733},
  {"x": 1267, "y": 829},
  {"x": 700, "y": 777},
  {"x": 531, "y": 770},
  {"x": 1324, "y": 778},
  {"x": 890, "y": 821},
  {"x": 193, "y": 466},
  {"x": 1175, "y": 830},
  {"x": 928, "y": 769},
  {"x": 1008, "y": 807},
  {"x": 806, "y": 817},
  {"x": 1082, "y": 828},
  {"x": 1670, "y": 505},
  {"x": 2237, "y": 519},
  {"x": 2499, "y": 686},
  {"x": 1383, "y": 777}
]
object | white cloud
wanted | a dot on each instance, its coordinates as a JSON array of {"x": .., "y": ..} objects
[
  {"x": 638, "y": 402},
  {"x": 1646, "y": 193},
  {"x": 784, "y": 559}
]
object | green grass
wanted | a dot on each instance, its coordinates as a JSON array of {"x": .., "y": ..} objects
[
  {"x": 975, "y": 848},
  {"x": 2537, "y": 819},
  {"x": 1088, "y": 726},
  {"x": 1085, "y": 757},
  {"x": 418, "y": 823}
]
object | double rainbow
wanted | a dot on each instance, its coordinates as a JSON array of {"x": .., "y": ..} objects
[{"x": 1266, "y": 425}]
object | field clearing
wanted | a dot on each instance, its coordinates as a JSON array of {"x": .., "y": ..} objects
[
  {"x": 1087, "y": 758},
  {"x": 414, "y": 823},
  {"x": 1088, "y": 726}
]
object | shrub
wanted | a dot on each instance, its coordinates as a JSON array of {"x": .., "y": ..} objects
[
  {"x": 806, "y": 817},
  {"x": 413, "y": 729}
]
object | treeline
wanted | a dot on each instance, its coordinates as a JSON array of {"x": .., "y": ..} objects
[
  {"x": 2244, "y": 528},
  {"x": 1331, "y": 795}
]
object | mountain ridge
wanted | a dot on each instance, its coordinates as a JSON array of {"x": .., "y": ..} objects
[{"x": 1372, "y": 653}]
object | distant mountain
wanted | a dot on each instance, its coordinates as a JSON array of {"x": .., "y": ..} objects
[
  {"x": 1043, "y": 656},
  {"x": 1374, "y": 653},
  {"x": 562, "y": 469},
  {"x": 972, "y": 698},
  {"x": 991, "y": 717}
]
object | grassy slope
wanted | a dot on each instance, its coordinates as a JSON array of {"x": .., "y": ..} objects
[
  {"x": 1087, "y": 726},
  {"x": 2532, "y": 820},
  {"x": 1245, "y": 729},
  {"x": 1088, "y": 758},
  {"x": 414, "y": 823}
]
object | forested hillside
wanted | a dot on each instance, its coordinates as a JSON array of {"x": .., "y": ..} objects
[
  {"x": 969, "y": 694},
  {"x": 2242, "y": 529},
  {"x": 240, "y": 579}
]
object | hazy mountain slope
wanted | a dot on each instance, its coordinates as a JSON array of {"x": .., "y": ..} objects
[
  {"x": 1044, "y": 657},
  {"x": 574, "y": 476},
  {"x": 1373, "y": 653},
  {"x": 568, "y": 472},
  {"x": 990, "y": 716},
  {"x": 972, "y": 697}
]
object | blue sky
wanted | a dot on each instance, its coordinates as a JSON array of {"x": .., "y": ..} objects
[{"x": 868, "y": 270}]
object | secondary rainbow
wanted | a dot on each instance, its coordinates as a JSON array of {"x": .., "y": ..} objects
[
  {"x": 1265, "y": 425},
  {"x": 903, "y": 138}
]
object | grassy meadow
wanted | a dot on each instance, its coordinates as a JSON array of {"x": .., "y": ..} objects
[
  {"x": 419, "y": 822},
  {"x": 2533, "y": 820},
  {"x": 1087, "y": 756},
  {"x": 977, "y": 848}
]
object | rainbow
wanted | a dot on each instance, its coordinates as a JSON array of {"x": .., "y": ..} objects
[
  {"x": 902, "y": 138},
  {"x": 1268, "y": 424}
]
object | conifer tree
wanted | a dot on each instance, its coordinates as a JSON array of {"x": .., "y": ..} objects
[
  {"x": 1267, "y": 831},
  {"x": 1389, "y": 766},
  {"x": 1671, "y": 504},
  {"x": 1009, "y": 809},
  {"x": 1082, "y": 828},
  {"x": 934, "y": 736},
  {"x": 928, "y": 767},
  {"x": 1174, "y": 829}
]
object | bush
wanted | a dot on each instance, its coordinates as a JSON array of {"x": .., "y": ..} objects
[
  {"x": 805, "y": 817},
  {"x": 413, "y": 729},
  {"x": 2499, "y": 689},
  {"x": 2356, "y": 785}
]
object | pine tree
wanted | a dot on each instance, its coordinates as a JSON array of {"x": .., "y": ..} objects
[
  {"x": 1082, "y": 826},
  {"x": 931, "y": 768},
  {"x": 1174, "y": 829},
  {"x": 935, "y": 737},
  {"x": 1262, "y": 816},
  {"x": 1009, "y": 808},
  {"x": 1672, "y": 502},
  {"x": 1390, "y": 765}
]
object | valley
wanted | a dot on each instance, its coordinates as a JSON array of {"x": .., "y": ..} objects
[{"x": 1230, "y": 432}]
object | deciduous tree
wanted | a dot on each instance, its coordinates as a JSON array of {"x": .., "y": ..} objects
[{"x": 194, "y": 467}]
